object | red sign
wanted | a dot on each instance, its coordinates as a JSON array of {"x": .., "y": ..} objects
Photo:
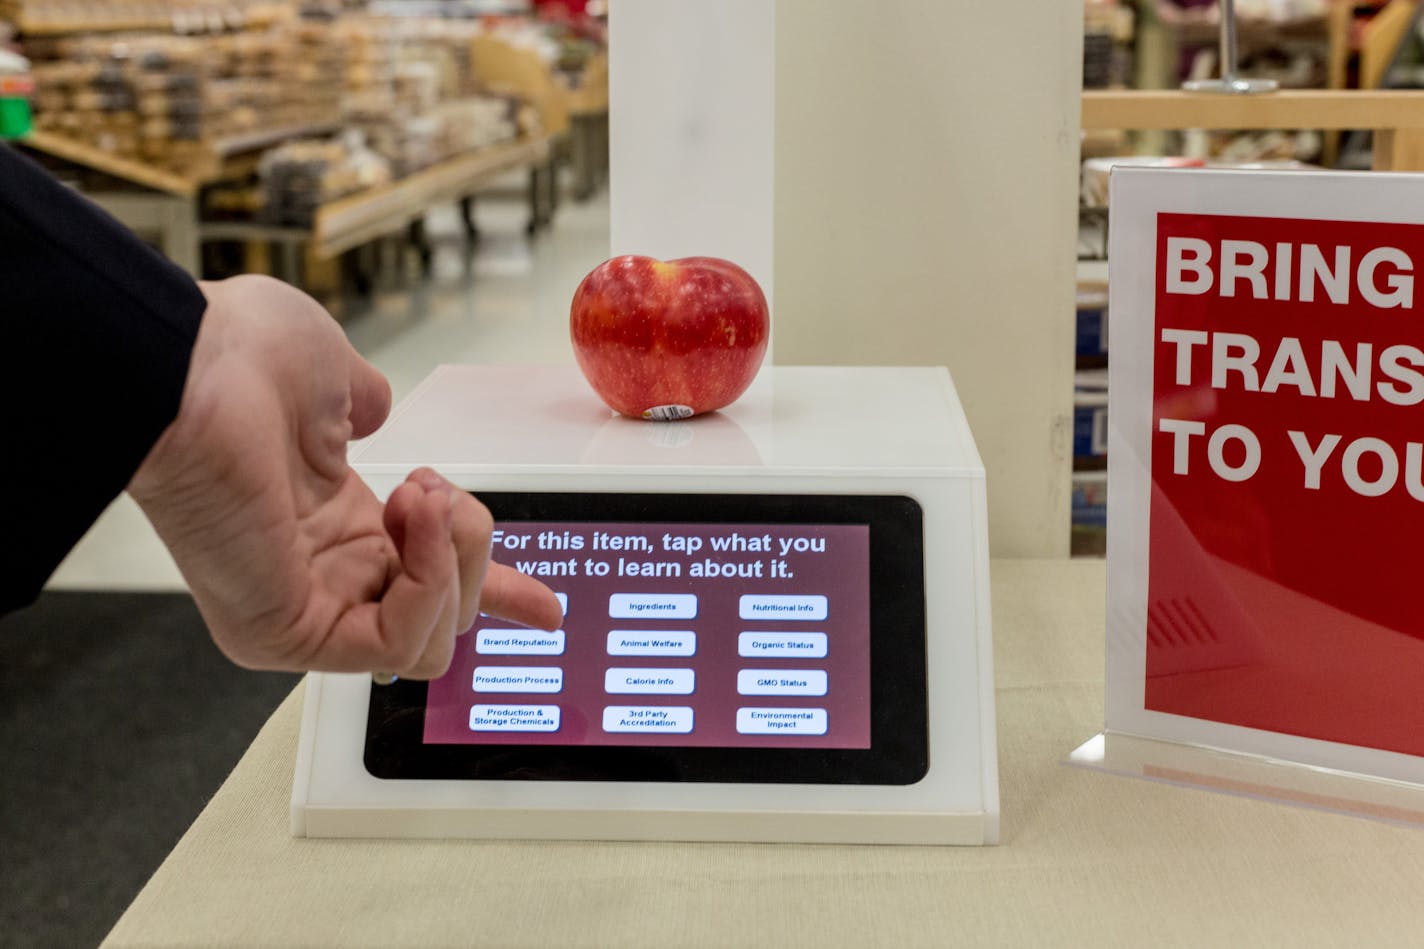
[{"x": 1286, "y": 584}]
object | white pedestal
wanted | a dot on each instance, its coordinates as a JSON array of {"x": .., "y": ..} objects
[{"x": 809, "y": 432}]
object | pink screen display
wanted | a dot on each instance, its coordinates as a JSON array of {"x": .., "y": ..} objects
[{"x": 688, "y": 635}]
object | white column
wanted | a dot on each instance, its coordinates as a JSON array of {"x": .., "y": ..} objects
[
  {"x": 691, "y": 87},
  {"x": 927, "y": 194}
]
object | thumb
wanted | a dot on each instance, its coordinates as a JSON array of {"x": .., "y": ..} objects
[{"x": 370, "y": 396}]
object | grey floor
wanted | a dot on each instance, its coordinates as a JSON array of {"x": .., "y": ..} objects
[
  {"x": 118, "y": 720},
  {"x": 118, "y": 717}
]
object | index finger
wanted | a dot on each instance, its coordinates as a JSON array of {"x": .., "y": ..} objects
[{"x": 516, "y": 596}]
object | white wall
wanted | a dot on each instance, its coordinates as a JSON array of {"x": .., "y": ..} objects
[
  {"x": 924, "y": 155},
  {"x": 691, "y": 130},
  {"x": 926, "y": 182}
]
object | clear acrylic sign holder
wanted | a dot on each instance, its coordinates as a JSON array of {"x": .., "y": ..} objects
[{"x": 1263, "y": 630}]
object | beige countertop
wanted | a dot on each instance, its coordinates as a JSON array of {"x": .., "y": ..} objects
[{"x": 1087, "y": 858}]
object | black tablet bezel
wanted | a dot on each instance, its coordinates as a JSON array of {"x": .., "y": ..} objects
[{"x": 899, "y": 746}]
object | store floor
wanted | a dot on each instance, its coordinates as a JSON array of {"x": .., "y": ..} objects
[{"x": 118, "y": 718}]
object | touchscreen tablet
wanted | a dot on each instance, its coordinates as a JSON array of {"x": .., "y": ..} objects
[{"x": 705, "y": 638}]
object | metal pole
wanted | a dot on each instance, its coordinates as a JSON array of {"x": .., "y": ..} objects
[
  {"x": 1230, "y": 54},
  {"x": 1230, "y": 81}
]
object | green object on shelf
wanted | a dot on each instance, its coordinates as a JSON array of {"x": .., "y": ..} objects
[{"x": 14, "y": 118}]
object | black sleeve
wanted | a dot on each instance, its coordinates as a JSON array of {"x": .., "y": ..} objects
[{"x": 96, "y": 330}]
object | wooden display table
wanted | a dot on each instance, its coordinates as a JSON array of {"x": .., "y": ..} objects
[
  {"x": 161, "y": 201},
  {"x": 401, "y": 205},
  {"x": 1395, "y": 116},
  {"x": 166, "y": 203},
  {"x": 354, "y": 220},
  {"x": 1087, "y": 859}
]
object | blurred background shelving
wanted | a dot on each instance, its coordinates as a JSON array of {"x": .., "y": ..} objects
[
  {"x": 1341, "y": 67},
  {"x": 229, "y": 129}
]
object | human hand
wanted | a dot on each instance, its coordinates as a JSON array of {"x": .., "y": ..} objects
[{"x": 291, "y": 559}]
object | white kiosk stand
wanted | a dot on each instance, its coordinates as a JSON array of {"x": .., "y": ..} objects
[{"x": 776, "y": 623}]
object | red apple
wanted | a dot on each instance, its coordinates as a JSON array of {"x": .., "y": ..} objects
[{"x": 669, "y": 339}]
